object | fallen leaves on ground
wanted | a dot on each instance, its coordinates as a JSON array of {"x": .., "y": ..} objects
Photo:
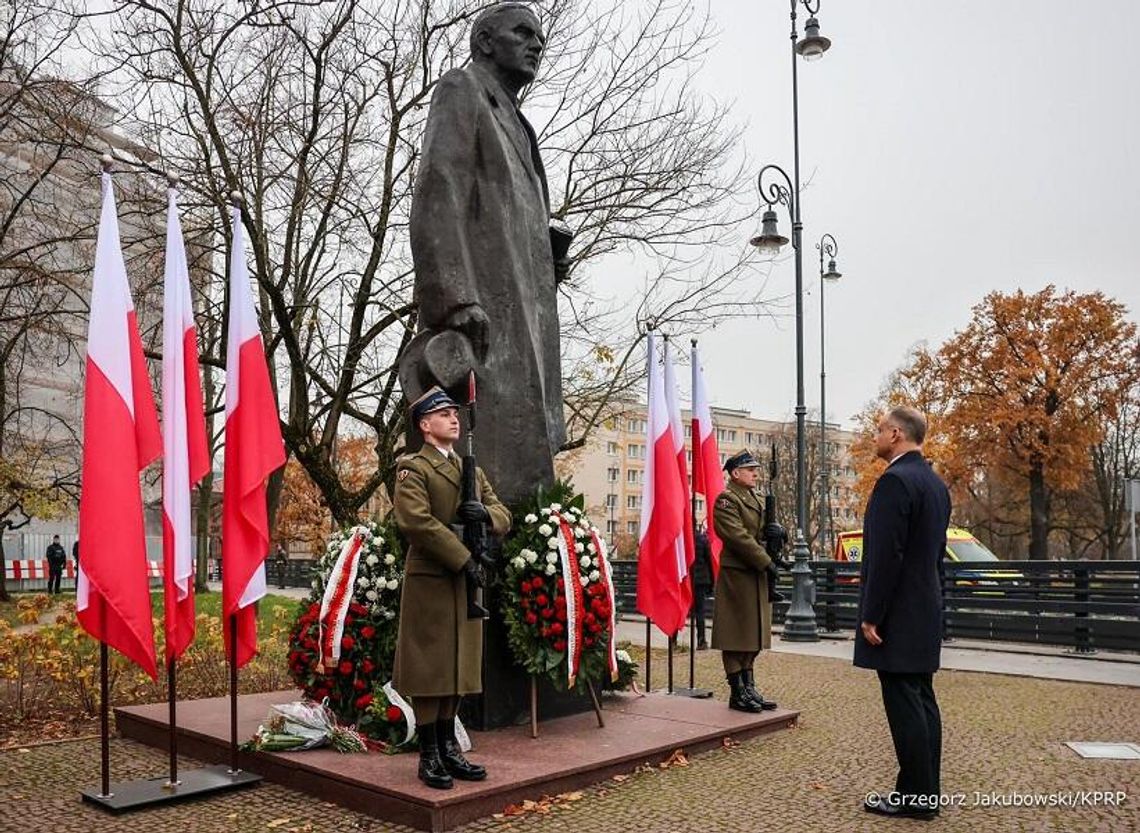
[
  {"x": 676, "y": 759},
  {"x": 541, "y": 807}
]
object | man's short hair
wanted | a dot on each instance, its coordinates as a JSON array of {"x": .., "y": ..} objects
[
  {"x": 487, "y": 18},
  {"x": 910, "y": 421}
]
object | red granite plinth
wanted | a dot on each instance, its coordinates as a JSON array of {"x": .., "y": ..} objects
[{"x": 570, "y": 753}]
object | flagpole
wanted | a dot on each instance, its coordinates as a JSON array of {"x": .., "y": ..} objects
[
  {"x": 694, "y": 441},
  {"x": 173, "y": 721},
  {"x": 233, "y": 695},
  {"x": 104, "y": 660}
]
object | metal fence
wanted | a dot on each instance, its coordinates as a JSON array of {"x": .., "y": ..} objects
[{"x": 1083, "y": 605}]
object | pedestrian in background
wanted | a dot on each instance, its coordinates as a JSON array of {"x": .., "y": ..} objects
[
  {"x": 702, "y": 583},
  {"x": 56, "y": 559}
]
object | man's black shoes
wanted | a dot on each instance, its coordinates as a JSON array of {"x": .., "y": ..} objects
[
  {"x": 883, "y": 806},
  {"x": 738, "y": 698}
]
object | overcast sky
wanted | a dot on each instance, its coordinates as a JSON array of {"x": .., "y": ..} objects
[{"x": 953, "y": 148}]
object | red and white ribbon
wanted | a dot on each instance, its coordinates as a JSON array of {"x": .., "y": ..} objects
[
  {"x": 608, "y": 583},
  {"x": 337, "y": 598},
  {"x": 572, "y": 587}
]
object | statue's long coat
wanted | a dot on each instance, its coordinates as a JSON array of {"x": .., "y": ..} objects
[{"x": 480, "y": 234}]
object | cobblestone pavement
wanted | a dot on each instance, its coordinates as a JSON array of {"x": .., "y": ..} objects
[{"x": 1002, "y": 735}]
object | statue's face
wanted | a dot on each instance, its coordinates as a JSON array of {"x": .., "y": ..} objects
[{"x": 514, "y": 42}]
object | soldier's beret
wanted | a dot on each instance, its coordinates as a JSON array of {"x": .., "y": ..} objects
[
  {"x": 743, "y": 460},
  {"x": 435, "y": 399}
]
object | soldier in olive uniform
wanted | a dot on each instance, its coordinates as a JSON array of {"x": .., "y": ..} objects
[
  {"x": 742, "y": 612},
  {"x": 439, "y": 650}
]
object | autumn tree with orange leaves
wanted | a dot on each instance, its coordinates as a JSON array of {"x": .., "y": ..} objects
[{"x": 1022, "y": 398}]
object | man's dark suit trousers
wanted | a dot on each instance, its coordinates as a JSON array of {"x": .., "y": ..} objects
[{"x": 916, "y": 729}]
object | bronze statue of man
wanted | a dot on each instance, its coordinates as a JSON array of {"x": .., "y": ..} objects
[{"x": 485, "y": 256}]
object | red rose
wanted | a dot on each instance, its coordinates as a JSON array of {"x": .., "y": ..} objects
[
  {"x": 588, "y": 641},
  {"x": 345, "y": 667},
  {"x": 556, "y": 629},
  {"x": 367, "y": 666},
  {"x": 348, "y": 620},
  {"x": 359, "y": 684},
  {"x": 589, "y": 619},
  {"x": 560, "y": 645},
  {"x": 393, "y": 714},
  {"x": 560, "y": 601},
  {"x": 541, "y": 600},
  {"x": 347, "y": 643},
  {"x": 364, "y": 701},
  {"x": 531, "y": 618},
  {"x": 524, "y": 586},
  {"x": 547, "y": 613},
  {"x": 314, "y": 609},
  {"x": 560, "y": 614},
  {"x": 368, "y": 632},
  {"x": 561, "y": 583},
  {"x": 358, "y": 608},
  {"x": 320, "y": 694}
]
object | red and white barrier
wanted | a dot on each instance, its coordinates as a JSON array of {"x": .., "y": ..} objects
[{"x": 36, "y": 569}]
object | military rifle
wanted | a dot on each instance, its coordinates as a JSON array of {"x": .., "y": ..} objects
[{"x": 473, "y": 533}]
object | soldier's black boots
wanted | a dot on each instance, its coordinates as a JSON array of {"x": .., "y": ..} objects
[
  {"x": 452, "y": 756},
  {"x": 750, "y": 686},
  {"x": 738, "y": 698},
  {"x": 432, "y": 771}
]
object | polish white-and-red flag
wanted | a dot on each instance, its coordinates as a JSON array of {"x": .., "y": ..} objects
[
  {"x": 707, "y": 479},
  {"x": 186, "y": 458},
  {"x": 662, "y": 513},
  {"x": 120, "y": 438},
  {"x": 253, "y": 451},
  {"x": 686, "y": 549}
]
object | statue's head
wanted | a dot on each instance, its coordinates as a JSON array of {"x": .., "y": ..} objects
[{"x": 509, "y": 36}]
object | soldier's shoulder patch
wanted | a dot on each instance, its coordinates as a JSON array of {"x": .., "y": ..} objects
[
  {"x": 723, "y": 502},
  {"x": 401, "y": 474}
]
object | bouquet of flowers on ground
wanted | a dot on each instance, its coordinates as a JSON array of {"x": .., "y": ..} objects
[
  {"x": 558, "y": 599},
  {"x": 388, "y": 720},
  {"x": 292, "y": 727}
]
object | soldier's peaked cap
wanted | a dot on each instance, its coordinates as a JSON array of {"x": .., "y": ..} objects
[
  {"x": 435, "y": 399},
  {"x": 743, "y": 460}
]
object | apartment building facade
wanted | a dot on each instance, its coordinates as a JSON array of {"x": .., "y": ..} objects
[{"x": 610, "y": 472}]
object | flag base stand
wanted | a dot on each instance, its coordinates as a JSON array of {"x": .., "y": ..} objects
[{"x": 125, "y": 796}]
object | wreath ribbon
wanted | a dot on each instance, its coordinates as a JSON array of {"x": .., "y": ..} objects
[
  {"x": 572, "y": 587},
  {"x": 608, "y": 583},
  {"x": 338, "y": 597}
]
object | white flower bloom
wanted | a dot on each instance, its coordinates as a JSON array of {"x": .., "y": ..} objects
[
  {"x": 372, "y": 561},
  {"x": 591, "y": 548},
  {"x": 545, "y": 531},
  {"x": 556, "y": 506},
  {"x": 544, "y": 511},
  {"x": 531, "y": 518},
  {"x": 594, "y": 529},
  {"x": 518, "y": 562},
  {"x": 389, "y": 559},
  {"x": 362, "y": 581},
  {"x": 551, "y": 558},
  {"x": 579, "y": 548},
  {"x": 550, "y": 569},
  {"x": 583, "y": 580},
  {"x": 316, "y": 583},
  {"x": 584, "y": 561},
  {"x": 623, "y": 656},
  {"x": 530, "y": 556},
  {"x": 372, "y": 595},
  {"x": 595, "y": 575},
  {"x": 388, "y": 614},
  {"x": 552, "y": 544},
  {"x": 393, "y": 584}
]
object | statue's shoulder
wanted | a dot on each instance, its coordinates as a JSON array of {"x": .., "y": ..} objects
[{"x": 461, "y": 81}]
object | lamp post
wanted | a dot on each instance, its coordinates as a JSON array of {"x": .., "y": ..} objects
[
  {"x": 799, "y": 623},
  {"x": 827, "y": 248}
]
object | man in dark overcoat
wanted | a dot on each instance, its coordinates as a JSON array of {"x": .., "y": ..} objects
[
  {"x": 439, "y": 650},
  {"x": 484, "y": 263},
  {"x": 900, "y": 608},
  {"x": 742, "y": 610},
  {"x": 702, "y": 583}
]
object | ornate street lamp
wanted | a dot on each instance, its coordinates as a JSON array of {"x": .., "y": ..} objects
[
  {"x": 799, "y": 623},
  {"x": 827, "y": 248}
]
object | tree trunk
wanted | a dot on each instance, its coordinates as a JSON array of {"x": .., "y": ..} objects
[
  {"x": 1038, "y": 514},
  {"x": 205, "y": 490},
  {"x": 4, "y": 597}
]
